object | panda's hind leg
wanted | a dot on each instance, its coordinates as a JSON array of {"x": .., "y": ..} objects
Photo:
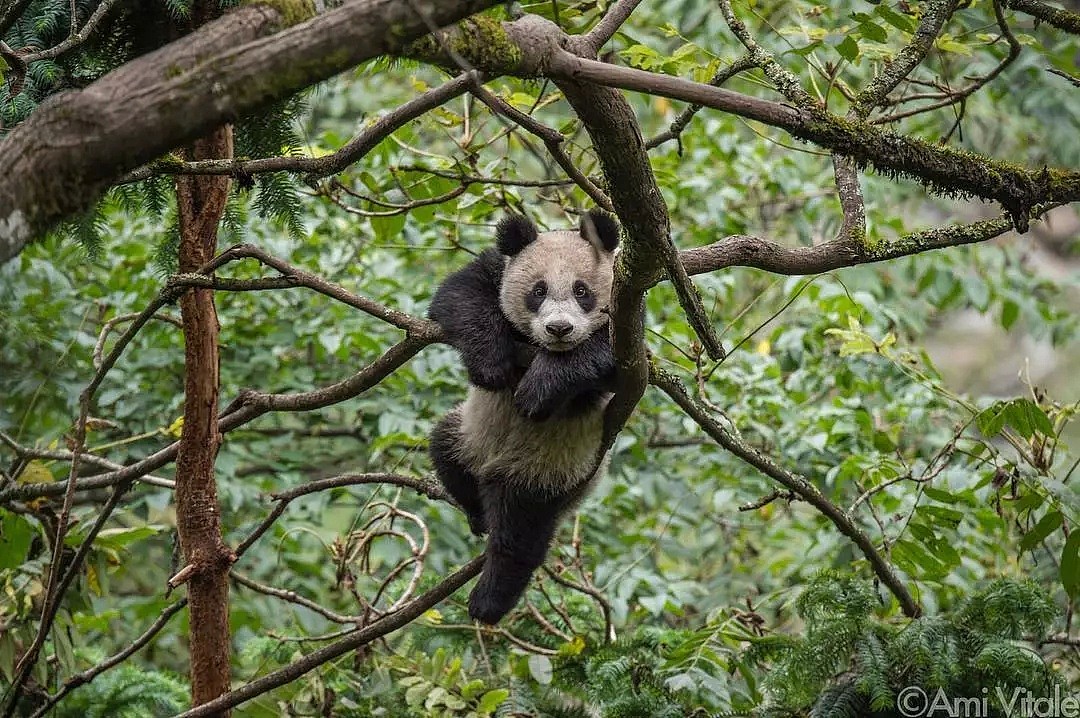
[
  {"x": 455, "y": 477},
  {"x": 522, "y": 524}
]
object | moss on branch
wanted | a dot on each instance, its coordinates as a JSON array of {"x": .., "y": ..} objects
[{"x": 481, "y": 42}]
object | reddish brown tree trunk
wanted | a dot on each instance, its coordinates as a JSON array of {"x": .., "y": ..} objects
[{"x": 200, "y": 203}]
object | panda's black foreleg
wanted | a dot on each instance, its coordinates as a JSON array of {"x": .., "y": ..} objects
[
  {"x": 555, "y": 379},
  {"x": 458, "y": 480},
  {"x": 522, "y": 524},
  {"x": 466, "y": 307}
]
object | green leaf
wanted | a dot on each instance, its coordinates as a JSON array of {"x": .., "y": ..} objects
[
  {"x": 120, "y": 537},
  {"x": 873, "y": 31},
  {"x": 897, "y": 20},
  {"x": 540, "y": 669},
  {"x": 492, "y": 700},
  {"x": 1010, "y": 310},
  {"x": 945, "y": 43},
  {"x": 848, "y": 49},
  {"x": 991, "y": 420},
  {"x": 941, "y": 495},
  {"x": 1049, "y": 523},
  {"x": 1070, "y": 565},
  {"x": 16, "y": 533}
]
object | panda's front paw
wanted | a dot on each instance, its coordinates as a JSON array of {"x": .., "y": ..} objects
[
  {"x": 493, "y": 374},
  {"x": 530, "y": 400}
]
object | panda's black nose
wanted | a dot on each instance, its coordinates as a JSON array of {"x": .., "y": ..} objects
[{"x": 559, "y": 329}]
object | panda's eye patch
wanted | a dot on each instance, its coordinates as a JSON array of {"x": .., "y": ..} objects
[
  {"x": 539, "y": 289},
  {"x": 580, "y": 289}
]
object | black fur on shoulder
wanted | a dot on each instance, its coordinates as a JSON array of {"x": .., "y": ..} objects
[
  {"x": 466, "y": 306},
  {"x": 514, "y": 233},
  {"x": 601, "y": 228}
]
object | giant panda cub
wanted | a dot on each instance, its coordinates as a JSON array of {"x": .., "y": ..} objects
[{"x": 529, "y": 318}]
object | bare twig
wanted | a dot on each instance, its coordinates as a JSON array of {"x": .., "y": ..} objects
[
  {"x": 553, "y": 140},
  {"x": 604, "y": 30},
  {"x": 1061, "y": 73},
  {"x": 953, "y": 97},
  {"x": 76, "y": 38},
  {"x": 293, "y": 597},
  {"x": 680, "y": 123},
  {"x": 109, "y": 326},
  {"x": 466, "y": 178},
  {"x": 314, "y": 168},
  {"x": 934, "y": 17},
  {"x": 788, "y": 496}
]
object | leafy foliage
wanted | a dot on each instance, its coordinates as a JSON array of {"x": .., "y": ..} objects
[
  {"x": 930, "y": 398},
  {"x": 967, "y": 654}
]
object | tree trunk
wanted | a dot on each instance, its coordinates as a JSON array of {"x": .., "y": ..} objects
[{"x": 200, "y": 203}]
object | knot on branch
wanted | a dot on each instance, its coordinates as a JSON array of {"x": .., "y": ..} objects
[{"x": 204, "y": 560}]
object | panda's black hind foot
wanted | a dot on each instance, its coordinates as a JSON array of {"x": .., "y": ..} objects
[
  {"x": 489, "y": 602},
  {"x": 477, "y": 524}
]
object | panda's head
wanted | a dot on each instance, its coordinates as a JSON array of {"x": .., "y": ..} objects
[{"x": 556, "y": 286}]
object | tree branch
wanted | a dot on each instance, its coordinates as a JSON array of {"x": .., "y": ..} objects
[
  {"x": 616, "y": 15},
  {"x": 74, "y": 39},
  {"x": 166, "y": 98},
  {"x": 1061, "y": 19},
  {"x": 315, "y": 168},
  {"x": 745, "y": 251},
  {"x": 376, "y": 629},
  {"x": 789, "y": 480}
]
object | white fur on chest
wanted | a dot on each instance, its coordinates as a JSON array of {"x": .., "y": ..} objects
[{"x": 555, "y": 454}]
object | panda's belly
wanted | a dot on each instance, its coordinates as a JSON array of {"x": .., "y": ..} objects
[{"x": 496, "y": 441}]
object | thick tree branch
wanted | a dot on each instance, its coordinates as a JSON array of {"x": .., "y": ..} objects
[
  {"x": 745, "y": 251},
  {"x": 792, "y": 482},
  {"x": 942, "y": 169},
  {"x": 1059, "y": 18},
  {"x": 200, "y": 203},
  {"x": 169, "y": 97}
]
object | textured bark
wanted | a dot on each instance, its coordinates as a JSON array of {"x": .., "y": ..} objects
[
  {"x": 67, "y": 153},
  {"x": 201, "y": 201}
]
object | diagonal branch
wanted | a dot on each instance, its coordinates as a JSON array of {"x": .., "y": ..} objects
[
  {"x": 315, "y": 168},
  {"x": 74, "y": 39},
  {"x": 553, "y": 140},
  {"x": 789, "y": 480},
  {"x": 376, "y": 629},
  {"x": 616, "y": 15}
]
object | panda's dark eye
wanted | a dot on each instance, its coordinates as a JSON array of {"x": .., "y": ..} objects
[
  {"x": 539, "y": 289},
  {"x": 580, "y": 290}
]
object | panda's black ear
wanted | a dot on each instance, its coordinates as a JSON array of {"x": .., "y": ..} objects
[
  {"x": 601, "y": 228},
  {"x": 514, "y": 233}
]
